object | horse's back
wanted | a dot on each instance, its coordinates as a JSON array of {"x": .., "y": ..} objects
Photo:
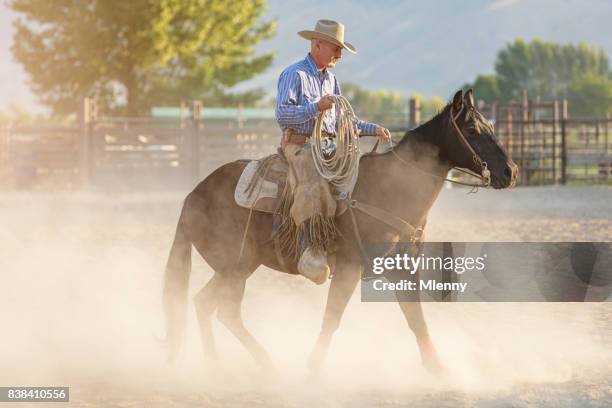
[{"x": 216, "y": 224}]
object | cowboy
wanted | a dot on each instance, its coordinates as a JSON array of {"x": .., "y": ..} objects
[{"x": 303, "y": 94}]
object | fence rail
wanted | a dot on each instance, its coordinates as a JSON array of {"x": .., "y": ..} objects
[{"x": 143, "y": 153}]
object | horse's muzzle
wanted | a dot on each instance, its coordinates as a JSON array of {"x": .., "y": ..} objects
[{"x": 510, "y": 174}]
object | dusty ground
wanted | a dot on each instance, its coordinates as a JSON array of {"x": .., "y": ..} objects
[{"x": 80, "y": 280}]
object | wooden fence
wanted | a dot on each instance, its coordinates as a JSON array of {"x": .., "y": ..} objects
[
  {"x": 549, "y": 146},
  {"x": 146, "y": 153},
  {"x": 126, "y": 153},
  {"x": 37, "y": 157}
]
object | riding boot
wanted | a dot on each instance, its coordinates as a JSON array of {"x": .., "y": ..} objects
[
  {"x": 313, "y": 262},
  {"x": 313, "y": 265}
]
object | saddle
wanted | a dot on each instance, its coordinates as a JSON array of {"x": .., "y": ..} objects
[
  {"x": 263, "y": 184},
  {"x": 263, "y": 187}
]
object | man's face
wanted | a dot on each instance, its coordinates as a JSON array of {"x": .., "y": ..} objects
[{"x": 328, "y": 54}]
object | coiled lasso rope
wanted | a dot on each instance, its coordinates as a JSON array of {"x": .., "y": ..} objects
[{"x": 342, "y": 167}]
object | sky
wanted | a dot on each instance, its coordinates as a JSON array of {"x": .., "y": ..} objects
[{"x": 425, "y": 47}]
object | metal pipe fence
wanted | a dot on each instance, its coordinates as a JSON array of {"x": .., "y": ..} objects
[{"x": 149, "y": 153}]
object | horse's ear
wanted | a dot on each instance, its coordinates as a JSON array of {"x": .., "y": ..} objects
[
  {"x": 469, "y": 97},
  {"x": 458, "y": 100}
]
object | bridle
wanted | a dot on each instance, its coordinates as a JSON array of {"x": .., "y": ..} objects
[
  {"x": 485, "y": 173},
  {"x": 405, "y": 229}
]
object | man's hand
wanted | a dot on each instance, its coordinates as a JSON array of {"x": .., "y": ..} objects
[
  {"x": 325, "y": 103},
  {"x": 383, "y": 134}
]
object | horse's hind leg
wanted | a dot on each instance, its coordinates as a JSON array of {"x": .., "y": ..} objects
[
  {"x": 206, "y": 302},
  {"x": 230, "y": 315},
  {"x": 340, "y": 291}
]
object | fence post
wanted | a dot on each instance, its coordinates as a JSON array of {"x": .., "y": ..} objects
[
  {"x": 4, "y": 157},
  {"x": 196, "y": 114},
  {"x": 493, "y": 117},
  {"x": 182, "y": 114},
  {"x": 607, "y": 144},
  {"x": 564, "y": 142},
  {"x": 86, "y": 110},
  {"x": 239, "y": 116},
  {"x": 414, "y": 108},
  {"x": 555, "y": 119},
  {"x": 524, "y": 165},
  {"x": 509, "y": 130}
]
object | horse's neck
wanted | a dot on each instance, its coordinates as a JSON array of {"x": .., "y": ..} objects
[
  {"x": 406, "y": 185},
  {"x": 423, "y": 178}
]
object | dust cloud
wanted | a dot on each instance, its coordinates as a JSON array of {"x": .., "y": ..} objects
[{"x": 80, "y": 306}]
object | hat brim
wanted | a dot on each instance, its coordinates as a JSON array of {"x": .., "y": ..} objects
[{"x": 309, "y": 35}]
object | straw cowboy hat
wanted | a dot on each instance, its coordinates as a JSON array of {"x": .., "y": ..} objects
[{"x": 329, "y": 30}]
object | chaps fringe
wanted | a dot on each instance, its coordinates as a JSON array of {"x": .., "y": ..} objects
[{"x": 318, "y": 232}]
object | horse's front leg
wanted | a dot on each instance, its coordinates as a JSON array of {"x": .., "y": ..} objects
[
  {"x": 413, "y": 312},
  {"x": 342, "y": 287}
]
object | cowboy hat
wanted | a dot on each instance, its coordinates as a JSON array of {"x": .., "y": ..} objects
[{"x": 329, "y": 30}]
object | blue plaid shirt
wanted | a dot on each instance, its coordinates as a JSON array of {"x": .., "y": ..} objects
[{"x": 300, "y": 87}]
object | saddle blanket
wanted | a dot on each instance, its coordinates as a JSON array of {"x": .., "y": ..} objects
[{"x": 261, "y": 183}]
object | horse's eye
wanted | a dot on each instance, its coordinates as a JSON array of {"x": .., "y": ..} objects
[{"x": 474, "y": 127}]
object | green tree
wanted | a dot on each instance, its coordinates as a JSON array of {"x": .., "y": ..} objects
[
  {"x": 546, "y": 69},
  {"x": 591, "y": 95},
  {"x": 379, "y": 106},
  {"x": 486, "y": 88},
  {"x": 17, "y": 115},
  {"x": 134, "y": 54},
  {"x": 388, "y": 108}
]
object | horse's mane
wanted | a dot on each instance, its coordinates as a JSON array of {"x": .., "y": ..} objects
[
  {"x": 421, "y": 133},
  {"x": 424, "y": 130}
]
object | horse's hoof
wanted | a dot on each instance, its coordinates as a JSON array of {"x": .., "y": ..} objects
[
  {"x": 270, "y": 369},
  {"x": 436, "y": 369},
  {"x": 430, "y": 359},
  {"x": 212, "y": 364},
  {"x": 266, "y": 365},
  {"x": 171, "y": 359},
  {"x": 315, "y": 364}
]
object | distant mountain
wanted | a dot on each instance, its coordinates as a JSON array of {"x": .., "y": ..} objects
[{"x": 429, "y": 47}]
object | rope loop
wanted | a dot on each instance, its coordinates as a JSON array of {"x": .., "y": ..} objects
[{"x": 341, "y": 167}]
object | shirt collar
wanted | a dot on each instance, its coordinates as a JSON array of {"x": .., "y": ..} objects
[{"x": 313, "y": 67}]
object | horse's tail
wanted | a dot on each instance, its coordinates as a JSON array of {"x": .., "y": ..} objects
[{"x": 176, "y": 285}]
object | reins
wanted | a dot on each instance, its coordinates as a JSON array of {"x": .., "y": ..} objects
[
  {"x": 341, "y": 168},
  {"x": 415, "y": 234},
  {"x": 484, "y": 177}
]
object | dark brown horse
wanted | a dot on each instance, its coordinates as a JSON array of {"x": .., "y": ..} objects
[{"x": 405, "y": 183}]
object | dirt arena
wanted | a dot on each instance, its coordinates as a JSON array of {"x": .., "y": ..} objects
[{"x": 80, "y": 306}]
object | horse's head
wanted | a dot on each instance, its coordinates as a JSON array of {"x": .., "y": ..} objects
[{"x": 471, "y": 142}]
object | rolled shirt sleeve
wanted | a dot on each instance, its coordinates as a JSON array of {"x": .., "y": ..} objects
[
  {"x": 366, "y": 128},
  {"x": 287, "y": 111}
]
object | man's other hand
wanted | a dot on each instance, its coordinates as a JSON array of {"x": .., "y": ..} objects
[
  {"x": 325, "y": 103},
  {"x": 383, "y": 134}
]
